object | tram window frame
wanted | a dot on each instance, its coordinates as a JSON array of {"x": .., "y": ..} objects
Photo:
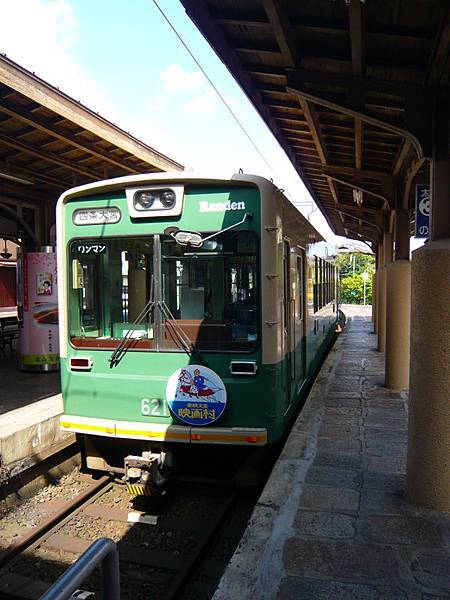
[
  {"x": 243, "y": 307},
  {"x": 286, "y": 286},
  {"x": 328, "y": 282},
  {"x": 106, "y": 324},
  {"x": 320, "y": 283},
  {"x": 300, "y": 291},
  {"x": 315, "y": 285}
]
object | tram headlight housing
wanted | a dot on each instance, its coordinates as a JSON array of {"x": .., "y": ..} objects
[{"x": 155, "y": 201}]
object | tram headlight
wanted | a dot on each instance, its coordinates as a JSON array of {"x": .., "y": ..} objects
[
  {"x": 168, "y": 198},
  {"x": 143, "y": 200}
]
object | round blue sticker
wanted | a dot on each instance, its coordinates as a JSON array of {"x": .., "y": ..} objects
[{"x": 196, "y": 395}]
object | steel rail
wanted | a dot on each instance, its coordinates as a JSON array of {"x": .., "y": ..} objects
[
  {"x": 182, "y": 576},
  {"x": 47, "y": 525}
]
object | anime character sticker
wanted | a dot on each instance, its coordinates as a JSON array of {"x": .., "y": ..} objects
[
  {"x": 44, "y": 285},
  {"x": 196, "y": 395}
]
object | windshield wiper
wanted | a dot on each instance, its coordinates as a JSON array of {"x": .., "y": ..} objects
[
  {"x": 195, "y": 239},
  {"x": 181, "y": 336},
  {"x": 122, "y": 347}
]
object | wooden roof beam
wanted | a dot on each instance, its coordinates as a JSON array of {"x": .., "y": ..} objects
[
  {"x": 353, "y": 207},
  {"x": 59, "y": 133},
  {"x": 359, "y": 173},
  {"x": 314, "y": 127},
  {"x": 417, "y": 131},
  {"x": 258, "y": 20},
  {"x": 362, "y": 233},
  {"x": 265, "y": 70},
  {"x": 357, "y": 36},
  {"x": 247, "y": 19},
  {"x": 198, "y": 11},
  {"x": 358, "y": 143},
  {"x": 47, "y": 156},
  {"x": 387, "y": 201},
  {"x": 439, "y": 55},
  {"x": 22, "y": 81},
  {"x": 281, "y": 27},
  {"x": 33, "y": 176}
]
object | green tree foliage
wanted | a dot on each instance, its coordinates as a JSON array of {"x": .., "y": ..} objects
[
  {"x": 352, "y": 289},
  {"x": 351, "y": 268}
]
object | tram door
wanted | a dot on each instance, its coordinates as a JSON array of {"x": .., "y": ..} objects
[{"x": 289, "y": 357}]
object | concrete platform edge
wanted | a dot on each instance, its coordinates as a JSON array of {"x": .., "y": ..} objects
[
  {"x": 30, "y": 431},
  {"x": 256, "y": 569}
]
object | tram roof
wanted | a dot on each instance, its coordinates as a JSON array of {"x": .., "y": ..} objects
[
  {"x": 293, "y": 218},
  {"x": 50, "y": 142},
  {"x": 345, "y": 87}
]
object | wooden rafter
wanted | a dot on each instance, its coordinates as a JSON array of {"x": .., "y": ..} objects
[
  {"x": 357, "y": 36},
  {"x": 358, "y": 143},
  {"x": 439, "y": 55},
  {"x": 402, "y": 154},
  {"x": 58, "y": 132},
  {"x": 48, "y": 156},
  {"x": 32, "y": 175},
  {"x": 281, "y": 27},
  {"x": 359, "y": 173}
]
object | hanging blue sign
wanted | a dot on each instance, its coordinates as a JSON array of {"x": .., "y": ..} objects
[
  {"x": 423, "y": 205},
  {"x": 196, "y": 395}
]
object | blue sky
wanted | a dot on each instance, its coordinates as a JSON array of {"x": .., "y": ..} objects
[{"x": 123, "y": 60}]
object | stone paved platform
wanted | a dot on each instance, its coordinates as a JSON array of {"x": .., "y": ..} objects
[
  {"x": 19, "y": 389},
  {"x": 332, "y": 522}
]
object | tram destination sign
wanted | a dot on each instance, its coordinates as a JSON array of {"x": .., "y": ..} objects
[
  {"x": 423, "y": 201},
  {"x": 96, "y": 216}
]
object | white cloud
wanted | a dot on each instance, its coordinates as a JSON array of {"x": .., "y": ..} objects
[
  {"x": 175, "y": 79},
  {"x": 200, "y": 104},
  {"x": 41, "y": 35}
]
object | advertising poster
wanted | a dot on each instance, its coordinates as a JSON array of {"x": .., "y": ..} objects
[
  {"x": 196, "y": 395},
  {"x": 39, "y": 343}
]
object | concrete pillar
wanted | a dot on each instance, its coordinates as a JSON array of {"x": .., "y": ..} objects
[
  {"x": 377, "y": 286},
  {"x": 428, "y": 467},
  {"x": 374, "y": 301},
  {"x": 398, "y": 307},
  {"x": 374, "y": 291},
  {"x": 402, "y": 234},
  {"x": 381, "y": 319},
  {"x": 398, "y": 310},
  {"x": 387, "y": 259}
]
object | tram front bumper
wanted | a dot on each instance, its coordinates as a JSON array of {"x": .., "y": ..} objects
[{"x": 157, "y": 432}]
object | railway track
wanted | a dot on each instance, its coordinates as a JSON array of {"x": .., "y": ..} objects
[{"x": 164, "y": 555}]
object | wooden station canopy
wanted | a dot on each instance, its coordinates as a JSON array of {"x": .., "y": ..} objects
[
  {"x": 346, "y": 86},
  {"x": 50, "y": 142}
]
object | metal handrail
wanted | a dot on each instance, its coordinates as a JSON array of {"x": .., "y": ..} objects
[{"x": 103, "y": 550}]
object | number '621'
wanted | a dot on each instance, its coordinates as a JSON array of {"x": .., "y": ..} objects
[{"x": 153, "y": 407}]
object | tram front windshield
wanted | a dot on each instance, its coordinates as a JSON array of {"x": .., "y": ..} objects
[{"x": 164, "y": 296}]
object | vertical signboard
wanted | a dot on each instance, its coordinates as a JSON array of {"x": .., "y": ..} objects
[
  {"x": 39, "y": 343},
  {"x": 423, "y": 204}
]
